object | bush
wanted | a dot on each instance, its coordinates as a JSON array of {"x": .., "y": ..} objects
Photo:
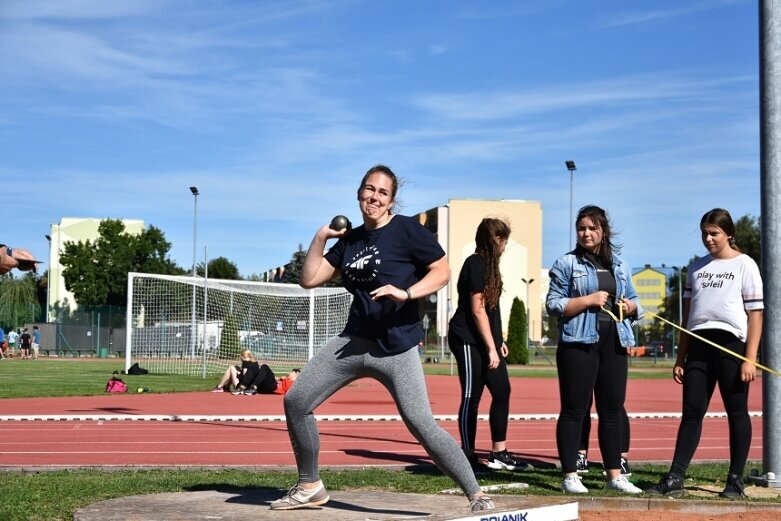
[
  {"x": 517, "y": 334},
  {"x": 230, "y": 349}
]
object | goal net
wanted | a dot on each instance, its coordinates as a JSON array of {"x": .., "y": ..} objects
[{"x": 194, "y": 326}]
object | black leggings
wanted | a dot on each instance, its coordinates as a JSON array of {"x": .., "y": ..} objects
[
  {"x": 586, "y": 432},
  {"x": 705, "y": 366},
  {"x": 474, "y": 376},
  {"x": 585, "y": 369}
]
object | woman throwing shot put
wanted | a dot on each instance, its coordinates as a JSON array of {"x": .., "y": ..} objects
[
  {"x": 387, "y": 264},
  {"x": 723, "y": 303}
]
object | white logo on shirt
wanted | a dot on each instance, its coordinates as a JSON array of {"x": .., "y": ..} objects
[{"x": 361, "y": 263}]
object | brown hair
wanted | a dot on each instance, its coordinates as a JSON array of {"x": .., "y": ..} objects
[
  {"x": 485, "y": 239},
  {"x": 382, "y": 169},
  {"x": 608, "y": 248},
  {"x": 721, "y": 218}
]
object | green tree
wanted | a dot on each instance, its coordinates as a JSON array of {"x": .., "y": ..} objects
[
  {"x": 230, "y": 349},
  {"x": 749, "y": 238},
  {"x": 517, "y": 334},
  {"x": 220, "y": 268},
  {"x": 96, "y": 271},
  {"x": 18, "y": 301},
  {"x": 296, "y": 264}
]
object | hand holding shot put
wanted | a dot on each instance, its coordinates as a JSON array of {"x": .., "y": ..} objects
[{"x": 18, "y": 258}]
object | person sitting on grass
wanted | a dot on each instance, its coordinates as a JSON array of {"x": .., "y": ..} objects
[{"x": 237, "y": 378}]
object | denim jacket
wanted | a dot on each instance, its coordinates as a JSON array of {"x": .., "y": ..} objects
[{"x": 571, "y": 277}]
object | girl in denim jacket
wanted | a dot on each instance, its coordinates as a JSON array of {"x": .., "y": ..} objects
[{"x": 591, "y": 292}]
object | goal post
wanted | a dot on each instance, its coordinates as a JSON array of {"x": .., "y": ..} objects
[{"x": 282, "y": 324}]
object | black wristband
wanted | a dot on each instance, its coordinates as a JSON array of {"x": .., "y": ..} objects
[{"x": 409, "y": 295}]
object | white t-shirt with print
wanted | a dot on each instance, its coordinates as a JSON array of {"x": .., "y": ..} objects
[{"x": 722, "y": 291}]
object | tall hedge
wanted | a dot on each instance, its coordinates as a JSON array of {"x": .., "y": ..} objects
[
  {"x": 230, "y": 349},
  {"x": 517, "y": 334}
]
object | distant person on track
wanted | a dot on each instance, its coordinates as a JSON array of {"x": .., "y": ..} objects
[
  {"x": 387, "y": 263},
  {"x": 475, "y": 339},
  {"x": 25, "y": 344},
  {"x": 591, "y": 292},
  {"x": 36, "y": 345},
  {"x": 722, "y": 303}
]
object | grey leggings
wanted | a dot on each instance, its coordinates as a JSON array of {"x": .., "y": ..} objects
[{"x": 345, "y": 359}]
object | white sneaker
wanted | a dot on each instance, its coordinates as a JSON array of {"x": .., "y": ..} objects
[
  {"x": 573, "y": 485},
  {"x": 621, "y": 484}
]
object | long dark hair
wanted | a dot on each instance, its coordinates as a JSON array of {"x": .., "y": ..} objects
[
  {"x": 608, "y": 248},
  {"x": 721, "y": 218},
  {"x": 485, "y": 239}
]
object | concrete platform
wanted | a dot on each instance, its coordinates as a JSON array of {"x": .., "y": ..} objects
[{"x": 243, "y": 504}]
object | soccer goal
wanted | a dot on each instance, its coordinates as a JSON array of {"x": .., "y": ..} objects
[{"x": 194, "y": 326}]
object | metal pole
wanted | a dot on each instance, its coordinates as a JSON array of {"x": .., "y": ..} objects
[
  {"x": 770, "y": 178},
  {"x": 193, "y": 331},
  {"x": 570, "y": 225},
  {"x": 205, "y": 301}
]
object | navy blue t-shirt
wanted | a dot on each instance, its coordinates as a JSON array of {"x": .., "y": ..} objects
[
  {"x": 397, "y": 254},
  {"x": 472, "y": 280}
]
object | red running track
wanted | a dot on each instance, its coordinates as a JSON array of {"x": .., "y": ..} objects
[{"x": 260, "y": 441}]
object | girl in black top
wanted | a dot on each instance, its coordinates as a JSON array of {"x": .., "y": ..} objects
[{"x": 475, "y": 339}]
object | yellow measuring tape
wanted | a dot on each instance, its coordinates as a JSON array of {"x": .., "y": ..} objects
[{"x": 695, "y": 335}]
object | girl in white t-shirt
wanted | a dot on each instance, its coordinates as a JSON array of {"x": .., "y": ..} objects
[{"x": 722, "y": 303}]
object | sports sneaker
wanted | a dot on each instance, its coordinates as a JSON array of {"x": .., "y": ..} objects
[
  {"x": 478, "y": 467},
  {"x": 582, "y": 463},
  {"x": 573, "y": 485},
  {"x": 297, "y": 497},
  {"x": 238, "y": 390},
  {"x": 218, "y": 390},
  {"x": 668, "y": 485},
  {"x": 503, "y": 460},
  {"x": 734, "y": 488},
  {"x": 251, "y": 390},
  {"x": 481, "y": 503},
  {"x": 621, "y": 484},
  {"x": 625, "y": 470}
]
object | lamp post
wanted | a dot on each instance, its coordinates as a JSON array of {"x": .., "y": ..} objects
[
  {"x": 48, "y": 276},
  {"x": 528, "y": 307},
  {"x": 194, "y": 190},
  {"x": 571, "y": 167}
]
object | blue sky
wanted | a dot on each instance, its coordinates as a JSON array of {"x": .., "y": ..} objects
[{"x": 274, "y": 109}]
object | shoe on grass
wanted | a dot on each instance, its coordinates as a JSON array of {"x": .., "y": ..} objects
[
  {"x": 626, "y": 471},
  {"x": 669, "y": 485},
  {"x": 478, "y": 467},
  {"x": 582, "y": 463},
  {"x": 298, "y": 497},
  {"x": 573, "y": 485},
  {"x": 504, "y": 460},
  {"x": 621, "y": 484},
  {"x": 734, "y": 488}
]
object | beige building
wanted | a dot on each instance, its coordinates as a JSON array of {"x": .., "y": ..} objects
[
  {"x": 455, "y": 226},
  {"x": 73, "y": 229}
]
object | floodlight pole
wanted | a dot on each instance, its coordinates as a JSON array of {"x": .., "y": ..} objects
[
  {"x": 571, "y": 167},
  {"x": 193, "y": 330}
]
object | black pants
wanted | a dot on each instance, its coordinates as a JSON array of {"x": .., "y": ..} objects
[
  {"x": 586, "y": 432},
  {"x": 263, "y": 379},
  {"x": 705, "y": 366},
  {"x": 585, "y": 369},
  {"x": 474, "y": 376}
]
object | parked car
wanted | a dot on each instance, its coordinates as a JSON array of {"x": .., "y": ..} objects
[{"x": 657, "y": 348}]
